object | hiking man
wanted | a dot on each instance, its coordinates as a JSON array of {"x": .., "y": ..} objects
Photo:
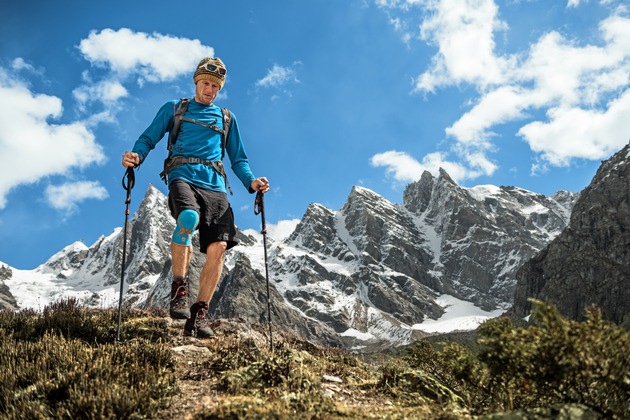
[{"x": 199, "y": 136}]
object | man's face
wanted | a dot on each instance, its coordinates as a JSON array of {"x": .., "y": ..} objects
[{"x": 206, "y": 91}]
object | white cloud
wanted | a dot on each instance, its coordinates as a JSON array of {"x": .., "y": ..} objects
[
  {"x": 554, "y": 68},
  {"x": 278, "y": 76},
  {"x": 400, "y": 165},
  {"x": 66, "y": 196},
  {"x": 128, "y": 55},
  {"x": 107, "y": 92},
  {"x": 32, "y": 145},
  {"x": 278, "y": 231},
  {"x": 569, "y": 74},
  {"x": 283, "y": 229},
  {"x": 479, "y": 163},
  {"x": 582, "y": 88},
  {"x": 153, "y": 57},
  {"x": 404, "y": 168},
  {"x": 580, "y": 133},
  {"x": 585, "y": 91},
  {"x": 20, "y": 64},
  {"x": 503, "y": 104},
  {"x": 463, "y": 31}
]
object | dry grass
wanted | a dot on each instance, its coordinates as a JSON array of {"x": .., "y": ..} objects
[{"x": 65, "y": 363}]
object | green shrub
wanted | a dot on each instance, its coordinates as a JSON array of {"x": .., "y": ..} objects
[
  {"x": 550, "y": 362},
  {"x": 53, "y": 368},
  {"x": 72, "y": 320},
  {"x": 558, "y": 361},
  {"x": 257, "y": 383},
  {"x": 65, "y": 363}
]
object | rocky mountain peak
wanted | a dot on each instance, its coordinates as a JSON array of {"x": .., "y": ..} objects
[
  {"x": 317, "y": 232},
  {"x": 417, "y": 195},
  {"x": 446, "y": 177},
  {"x": 589, "y": 262},
  {"x": 362, "y": 275},
  {"x": 67, "y": 260},
  {"x": 483, "y": 226}
]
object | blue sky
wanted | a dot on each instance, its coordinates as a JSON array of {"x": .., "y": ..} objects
[{"x": 328, "y": 93}]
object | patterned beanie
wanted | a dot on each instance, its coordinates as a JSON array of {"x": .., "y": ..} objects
[{"x": 211, "y": 68}]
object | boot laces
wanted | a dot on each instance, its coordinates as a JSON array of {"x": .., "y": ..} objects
[
  {"x": 201, "y": 319},
  {"x": 180, "y": 297}
]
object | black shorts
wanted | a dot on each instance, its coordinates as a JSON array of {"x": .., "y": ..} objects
[{"x": 216, "y": 219}]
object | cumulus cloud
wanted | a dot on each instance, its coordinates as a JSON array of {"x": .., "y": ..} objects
[
  {"x": 500, "y": 105},
  {"x": 278, "y": 231},
  {"x": 403, "y": 168},
  {"x": 570, "y": 82},
  {"x": 126, "y": 56},
  {"x": 151, "y": 57},
  {"x": 580, "y": 133},
  {"x": 20, "y": 64},
  {"x": 279, "y": 77},
  {"x": 105, "y": 92},
  {"x": 582, "y": 88},
  {"x": 33, "y": 144},
  {"x": 283, "y": 229},
  {"x": 463, "y": 32},
  {"x": 66, "y": 196}
]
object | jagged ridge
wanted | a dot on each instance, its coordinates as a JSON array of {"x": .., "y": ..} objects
[{"x": 362, "y": 276}]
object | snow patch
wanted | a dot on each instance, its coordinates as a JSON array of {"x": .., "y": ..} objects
[
  {"x": 459, "y": 315},
  {"x": 351, "y": 332},
  {"x": 344, "y": 235},
  {"x": 481, "y": 192}
]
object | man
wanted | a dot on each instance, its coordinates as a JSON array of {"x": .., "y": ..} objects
[{"x": 197, "y": 188}]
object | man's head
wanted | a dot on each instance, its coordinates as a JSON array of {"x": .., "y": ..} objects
[{"x": 212, "y": 69}]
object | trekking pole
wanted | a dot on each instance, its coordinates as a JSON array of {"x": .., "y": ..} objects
[
  {"x": 259, "y": 208},
  {"x": 130, "y": 178}
]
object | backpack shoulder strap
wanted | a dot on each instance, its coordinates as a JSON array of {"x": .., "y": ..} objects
[
  {"x": 227, "y": 124},
  {"x": 178, "y": 113}
]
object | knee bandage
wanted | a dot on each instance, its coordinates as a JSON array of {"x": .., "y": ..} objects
[{"x": 187, "y": 222}]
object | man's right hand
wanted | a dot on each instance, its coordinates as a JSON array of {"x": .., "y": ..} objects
[{"x": 130, "y": 160}]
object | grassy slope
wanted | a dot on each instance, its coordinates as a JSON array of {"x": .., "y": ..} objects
[{"x": 65, "y": 363}]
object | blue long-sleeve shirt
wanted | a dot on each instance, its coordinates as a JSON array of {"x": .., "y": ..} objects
[{"x": 195, "y": 140}]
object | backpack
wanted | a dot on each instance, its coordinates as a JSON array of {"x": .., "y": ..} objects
[{"x": 171, "y": 162}]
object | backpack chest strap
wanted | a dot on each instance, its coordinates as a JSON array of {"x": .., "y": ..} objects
[{"x": 211, "y": 126}]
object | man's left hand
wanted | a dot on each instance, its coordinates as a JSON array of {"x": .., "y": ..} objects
[{"x": 260, "y": 184}]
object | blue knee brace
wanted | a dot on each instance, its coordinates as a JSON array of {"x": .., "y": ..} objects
[{"x": 186, "y": 224}]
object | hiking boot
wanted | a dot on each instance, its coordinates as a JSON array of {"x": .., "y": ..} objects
[
  {"x": 197, "y": 324},
  {"x": 178, "y": 307}
]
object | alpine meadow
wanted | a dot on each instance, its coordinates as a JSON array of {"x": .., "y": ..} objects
[{"x": 433, "y": 224}]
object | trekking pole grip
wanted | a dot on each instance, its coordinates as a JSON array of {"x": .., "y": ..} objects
[
  {"x": 130, "y": 178},
  {"x": 128, "y": 182},
  {"x": 259, "y": 208}
]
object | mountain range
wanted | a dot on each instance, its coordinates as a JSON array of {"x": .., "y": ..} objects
[{"x": 375, "y": 273}]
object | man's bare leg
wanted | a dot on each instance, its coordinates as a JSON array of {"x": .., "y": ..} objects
[
  {"x": 180, "y": 255},
  {"x": 179, "y": 304},
  {"x": 211, "y": 272},
  {"x": 208, "y": 280}
]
